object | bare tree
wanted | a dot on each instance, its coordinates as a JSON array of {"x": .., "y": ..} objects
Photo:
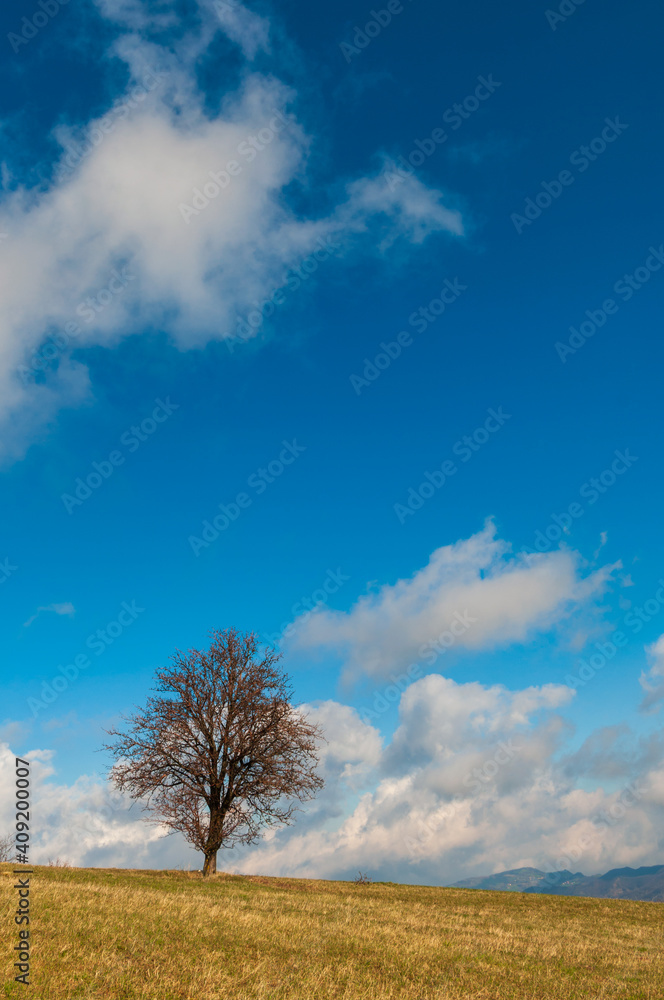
[
  {"x": 7, "y": 847},
  {"x": 362, "y": 879},
  {"x": 223, "y": 754}
]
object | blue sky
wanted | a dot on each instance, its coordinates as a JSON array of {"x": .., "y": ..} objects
[{"x": 507, "y": 158}]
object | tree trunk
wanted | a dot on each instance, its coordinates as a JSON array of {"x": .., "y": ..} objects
[{"x": 210, "y": 863}]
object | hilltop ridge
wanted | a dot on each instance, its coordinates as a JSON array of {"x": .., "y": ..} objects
[{"x": 645, "y": 883}]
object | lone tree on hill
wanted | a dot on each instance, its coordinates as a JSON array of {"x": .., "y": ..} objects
[{"x": 218, "y": 757}]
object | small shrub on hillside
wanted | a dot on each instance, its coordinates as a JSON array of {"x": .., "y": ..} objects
[{"x": 362, "y": 879}]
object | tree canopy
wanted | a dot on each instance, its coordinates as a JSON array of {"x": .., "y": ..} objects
[{"x": 220, "y": 751}]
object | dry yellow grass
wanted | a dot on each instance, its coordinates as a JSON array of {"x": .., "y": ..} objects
[{"x": 143, "y": 935}]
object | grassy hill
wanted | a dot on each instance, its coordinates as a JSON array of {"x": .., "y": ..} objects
[{"x": 145, "y": 935}]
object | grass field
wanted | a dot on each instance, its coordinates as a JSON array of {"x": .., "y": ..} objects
[{"x": 150, "y": 935}]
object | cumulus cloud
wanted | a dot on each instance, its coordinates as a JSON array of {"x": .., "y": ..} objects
[
  {"x": 163, "y": 212},
  {"x": 352, "y": 748},
  {"x": 612, "y": 753},
  {"x": 475, "y": 779},
  {"x": 472, "y": 594},
  {"x": 652, "y": 680},
  {"x": 89, "y": 823},
  {"x": 86, "y": 823}
]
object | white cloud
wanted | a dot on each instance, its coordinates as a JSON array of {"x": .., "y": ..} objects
[
  {"x": 603, "y": 539},
  {"x": 474, "y": 780},
  {"x": 67, "y": 608},
  {"x": 652, "y": 680},
  {"x": 472, "y": 594},
  {"x": 119, "y": 210},
  {"x": 352, "y": 749},
  {"x": 244, "y": 27},
  {"x": 86, "y": 823}
]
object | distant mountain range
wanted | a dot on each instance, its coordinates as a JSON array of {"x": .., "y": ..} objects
[{"x": 619, "y": 883}]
